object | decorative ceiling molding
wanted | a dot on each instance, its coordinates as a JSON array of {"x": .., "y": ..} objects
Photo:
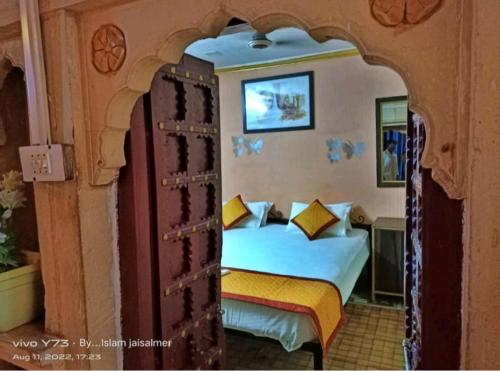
[
  {"x": 290, "y": 61},
  {"x": 108, "y": 49},
  {"x": 395, "y": 12}
]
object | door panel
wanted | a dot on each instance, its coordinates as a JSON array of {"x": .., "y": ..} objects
[
  {"x": 184, "y": 183},
  {"x": 188, "y": 197},
  {"x": 136, "y": 242},
  {"x": 433, "y": 265}
]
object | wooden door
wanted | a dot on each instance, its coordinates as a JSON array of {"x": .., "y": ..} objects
[
  {"x": 433, "y": 264},
  {"x": 170, "y": 202}
]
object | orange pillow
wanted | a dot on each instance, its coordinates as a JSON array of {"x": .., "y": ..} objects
[
  {"x": 315, "y": 219},
  {"x": 233, "y": 212}
]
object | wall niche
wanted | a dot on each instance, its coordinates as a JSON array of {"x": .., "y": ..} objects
[{"x": 14, "y": 132}]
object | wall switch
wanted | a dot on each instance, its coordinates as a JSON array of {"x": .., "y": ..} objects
[{"x": 47, "y": 163}]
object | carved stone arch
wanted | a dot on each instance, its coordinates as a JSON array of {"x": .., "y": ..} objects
[
  {"x": 325, "y": 33},
  {"x": 273, "y": 21},
  {"x": 109, "y": 154},
  {"x": 112, "y": 138},
  {"x": 322, "y": 34}
]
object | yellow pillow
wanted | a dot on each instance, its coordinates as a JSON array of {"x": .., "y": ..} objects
[
  {"x": 314, "y": 219},
  {"x": 233, "y": 212}
]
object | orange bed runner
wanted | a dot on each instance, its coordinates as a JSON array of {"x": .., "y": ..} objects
[{"x": 319, "y": 299}]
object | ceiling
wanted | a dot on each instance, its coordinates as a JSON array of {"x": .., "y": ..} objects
[{"x": 231, "y": 48}]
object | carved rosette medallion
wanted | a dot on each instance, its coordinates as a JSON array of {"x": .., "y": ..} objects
[
  {"x": 394, "y": 12},
  {"x": 108, "y": 49}
]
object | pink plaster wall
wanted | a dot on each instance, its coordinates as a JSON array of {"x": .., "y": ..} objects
[{"x": 293, "y": 166}]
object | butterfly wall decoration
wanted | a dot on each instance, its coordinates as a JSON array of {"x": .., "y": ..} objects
[
  {"x": 337, "y": 145},
  {"x": 254, "y": 145},
  {"x": 243, "y": 144}
]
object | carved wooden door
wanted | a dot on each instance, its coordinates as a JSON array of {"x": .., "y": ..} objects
[
  {"x": 180, "y": 147},
  {"x": 413, "y": 256},
  {"x": 433, "y": 264}
]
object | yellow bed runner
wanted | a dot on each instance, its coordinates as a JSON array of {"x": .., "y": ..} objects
[{"x": 319, "y": 299}]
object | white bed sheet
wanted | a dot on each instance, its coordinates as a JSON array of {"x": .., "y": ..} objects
[{"x": 272, "y": 249}]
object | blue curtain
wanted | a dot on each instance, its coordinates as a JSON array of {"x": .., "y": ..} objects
[{"x": 400, "y": 150}]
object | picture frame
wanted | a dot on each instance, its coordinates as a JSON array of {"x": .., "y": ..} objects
[
  {"x": 278, "y": 103},
  {"x": 392, "y": 115}
]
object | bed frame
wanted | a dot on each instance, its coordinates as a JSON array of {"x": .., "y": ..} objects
[
  {"x": 311, "y": 346},
  {"x": 276, "y": 217}
]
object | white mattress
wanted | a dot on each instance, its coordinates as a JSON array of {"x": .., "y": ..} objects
[{"x": 272, "y": 249}]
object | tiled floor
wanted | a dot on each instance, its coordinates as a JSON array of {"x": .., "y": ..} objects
[{"x": 371, "y": 339}]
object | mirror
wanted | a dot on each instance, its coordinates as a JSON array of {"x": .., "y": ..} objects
[{"x": 392, "y": 116}]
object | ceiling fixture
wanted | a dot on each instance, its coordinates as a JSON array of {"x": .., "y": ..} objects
[{"x": 259, "y": 41}]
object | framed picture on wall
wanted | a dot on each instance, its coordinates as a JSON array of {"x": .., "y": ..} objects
[
  {"x": 392, "y": 117},
  {"x": 278, "y": 103}
]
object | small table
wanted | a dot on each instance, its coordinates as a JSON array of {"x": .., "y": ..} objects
[{"x": 388, "y": 246}]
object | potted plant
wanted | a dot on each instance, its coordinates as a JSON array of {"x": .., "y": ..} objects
[{"x": 21, "y": 289}]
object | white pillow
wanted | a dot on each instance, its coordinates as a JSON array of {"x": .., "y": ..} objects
[
  {"x": 341, "y": 210},
  {"x": 348, "y": 224},
  {"x": 340, "y": 228},
  {"x": 266, "y": 214},
  {"x": 259, "y": 211}
]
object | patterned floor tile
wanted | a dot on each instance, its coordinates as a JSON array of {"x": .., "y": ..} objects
[{"x": 371, "y": 339}]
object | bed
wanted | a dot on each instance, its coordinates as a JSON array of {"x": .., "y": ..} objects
[{"x": 338, "y": 260}]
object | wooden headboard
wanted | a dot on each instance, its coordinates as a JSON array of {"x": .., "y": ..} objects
[
  {"x": 276, "y": 217},
  {"x": 360, "y": 223}
]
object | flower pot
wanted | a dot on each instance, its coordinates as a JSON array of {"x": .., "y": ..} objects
[{"x": 21, "y": 293}]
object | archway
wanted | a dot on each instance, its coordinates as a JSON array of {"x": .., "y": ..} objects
[
  {"x": 106, "y": 122},
  {"x": 108, "y": 134},
  {"x": 170, "y": 52}
]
